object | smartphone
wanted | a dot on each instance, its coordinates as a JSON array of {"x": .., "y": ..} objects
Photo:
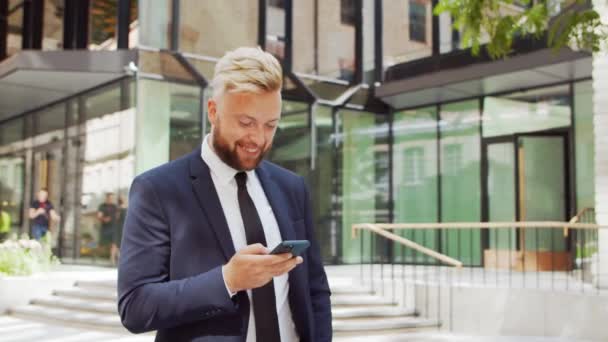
[{"x": 295, "y": 247}]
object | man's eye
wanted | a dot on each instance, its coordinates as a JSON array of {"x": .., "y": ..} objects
[{"x": 247, "y": 123}]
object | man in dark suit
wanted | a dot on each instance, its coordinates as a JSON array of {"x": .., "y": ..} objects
[{"x": 195, "y": 262}]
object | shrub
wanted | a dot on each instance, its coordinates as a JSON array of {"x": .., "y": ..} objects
[{"x": 26, "y": 256}]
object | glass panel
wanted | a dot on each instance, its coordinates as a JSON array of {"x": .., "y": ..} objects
[
  {"x": 185, "y": 120},
  {"x": 49, "y": 124},
  {"x": 460, "y": 179},
  {"x": 364, "y": 179},
  {"x": 501, "y": 193},
  {"x": 275, "y": 28},
  {"x": 407, "y": 28},
  {"x": 103, "y": 22},
  {"x": 291, "y": 145},
  {"x": 11, "y": 131},
  {"x": 48, "y": 174},
  {"x": 155, "y": 23},
  {"x": 51, "y": 120},
  {"x": 209, "y": 28},
  {"x": 322, "y": 184},
  {"x": 540, "y": 109},
  {"x": 415, "y": 177},
  {"x": 107, "y": 167},
  {"x": 15, "y": 27},
  {"x": 52, "y": 32},
  {"x": 541, "y": 162},
  {"x": 584, "y": 145},
  {"x": 318, "y": 25},
  {"x": 368, "y": 41},
  {"x": 12, "y": 188}
]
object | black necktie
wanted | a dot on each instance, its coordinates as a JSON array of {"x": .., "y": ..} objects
[{"x": 264, "y": 300}]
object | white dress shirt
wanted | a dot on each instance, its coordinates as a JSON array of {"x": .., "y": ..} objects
[{"x": 226, "y": 188}]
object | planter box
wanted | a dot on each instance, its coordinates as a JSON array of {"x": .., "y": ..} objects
[{"x": 20, "y": 290}]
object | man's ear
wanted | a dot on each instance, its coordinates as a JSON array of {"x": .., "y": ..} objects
[{"x": 212, "y": 110}]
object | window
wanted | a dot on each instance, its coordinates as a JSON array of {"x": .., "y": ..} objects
[
  {"x": 277, "y": 3},
  {"x": 452, "y": 159},
  {"x": 347, "y": 12},
  {"x": 414, "y": 165},
  {"x": 418, "y": 21}
]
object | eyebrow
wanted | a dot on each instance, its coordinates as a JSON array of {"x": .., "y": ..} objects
[{"x": 254, "y": 119}]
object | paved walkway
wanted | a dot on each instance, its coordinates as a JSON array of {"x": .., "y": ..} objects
[{"x": 17, "y": 330}]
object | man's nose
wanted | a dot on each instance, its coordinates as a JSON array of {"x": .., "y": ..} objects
[{"x": 257, "y": 136}]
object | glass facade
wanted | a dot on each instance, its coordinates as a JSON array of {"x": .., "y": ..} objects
[
  {"x": 460, "y": 171},
  {"x": 416, "y": 176},
  {"x": 460, "y": 161}
]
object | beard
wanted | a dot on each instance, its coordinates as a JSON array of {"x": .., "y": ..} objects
[{"x": 230, "y": 155}]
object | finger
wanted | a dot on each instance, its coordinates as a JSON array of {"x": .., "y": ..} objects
[
  {"x": 278, "y": 258},
  {"x": 257, "y": 248}
]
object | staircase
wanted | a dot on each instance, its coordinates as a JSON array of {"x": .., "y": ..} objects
[{"x": 92, "y": 305}]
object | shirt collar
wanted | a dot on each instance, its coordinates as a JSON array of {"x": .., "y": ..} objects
[{"x": 222, "y": 171}]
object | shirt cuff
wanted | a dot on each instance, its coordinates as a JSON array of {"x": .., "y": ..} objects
[{"x": 230, "y": 294}]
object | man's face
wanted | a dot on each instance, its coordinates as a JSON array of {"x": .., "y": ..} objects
[
  {"x": 42, "y": 196},
  {"x": 244, "y": 125},
  {"x": 109, "y": 199}
]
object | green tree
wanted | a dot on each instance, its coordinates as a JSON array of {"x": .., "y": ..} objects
[{"x": 572, "y": 23}]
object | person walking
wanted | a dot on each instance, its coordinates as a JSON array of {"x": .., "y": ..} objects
[
  {"x": 195, "y": 260},
  {"x": 42, "y": 213}
]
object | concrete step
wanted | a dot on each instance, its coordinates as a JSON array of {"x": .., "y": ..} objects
[
  {"x": 68, "y": 317},
  {"x": 109, "y": 284},
  {"x": 371, "y": 312},
  {"x": 381, "y": 324},
  {"x": 78, "y": 304},
  {"x": 91, "y": 294},
  {"x": 359, "y": 300},
  {"x": 350, "y": 290}
]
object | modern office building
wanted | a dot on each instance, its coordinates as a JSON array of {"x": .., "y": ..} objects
[{"x": 384, "y": 114}]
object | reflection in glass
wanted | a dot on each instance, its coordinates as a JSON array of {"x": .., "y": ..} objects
[
  {"x": 185, "y": 122},
  {"x": 106, "y": 149},
  {"x": 415, "y": 177},
  {"x": 584, "y": 144},
  {"x": 321, "y": 183},
  {"x": 103, "y": 21},
  {"x": 292, "y": 139},
  {"x": 407, "y": 30},
  {"x": 11, "y": 131},
  {"x": 334, "y": 23},
  {"x": 539, "y": 109},
  {"x": 363, "y": 175},
  {"x": 210, "y": 28},
  {"x": 52, "y": 32},
  {"x": 501, "y": 194},
  {"x": 460, "y": 174},
  {"x": 15, "y": 27},
  {"x": 275, "y": 28},
  {"x": 51, "y": 120}
]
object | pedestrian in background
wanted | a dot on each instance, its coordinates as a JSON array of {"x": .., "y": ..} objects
[{"x": 42, "y": 213}]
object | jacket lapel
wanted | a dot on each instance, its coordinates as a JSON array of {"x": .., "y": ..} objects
[
  {"x": 278, "y": 202},
  {"x": 210, "y": 202}
]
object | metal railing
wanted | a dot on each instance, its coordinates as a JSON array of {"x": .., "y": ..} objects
[{"x": 407, "y": 261}]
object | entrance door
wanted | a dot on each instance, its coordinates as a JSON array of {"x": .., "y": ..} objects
[
  {"x": 48, "y": 173},
  {"x": 526, "y": 180}
]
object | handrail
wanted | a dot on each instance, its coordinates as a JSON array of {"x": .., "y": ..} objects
[
  {"x": 580, "y": 214},
  {"x": 400, "y": 239},
  {"x": 484, "y": 225}
]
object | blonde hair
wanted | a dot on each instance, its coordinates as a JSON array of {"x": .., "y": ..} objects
[{"x": 247, "y": 69}]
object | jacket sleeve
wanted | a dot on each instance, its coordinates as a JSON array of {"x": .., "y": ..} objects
[
  {"x": 147, "y": 299},
  {"x": 319, "y": 287}
]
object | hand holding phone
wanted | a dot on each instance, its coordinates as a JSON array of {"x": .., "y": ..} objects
[{"x": 295, "y": 247}]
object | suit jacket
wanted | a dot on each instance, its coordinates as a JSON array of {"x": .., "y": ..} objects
[{"x": 176, "y": 240}]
